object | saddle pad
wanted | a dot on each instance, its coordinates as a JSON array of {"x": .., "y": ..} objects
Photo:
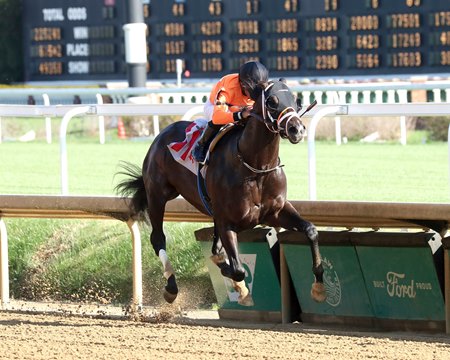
[{"x": 182, "y": 151}]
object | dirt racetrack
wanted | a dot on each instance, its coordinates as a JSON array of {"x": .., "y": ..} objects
[{"x": 198, "y": 335}]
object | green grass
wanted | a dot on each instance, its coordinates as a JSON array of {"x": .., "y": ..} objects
[
  {"x": 91, "y": 260},
  {"x": 34, "y": 168},
  {"x": 87, "y": 260},
  {"x": 370, "y": 172},
  {"x": 367, "y": 172}
]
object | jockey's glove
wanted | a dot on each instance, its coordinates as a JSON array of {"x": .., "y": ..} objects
[{"x": 241, "y": 115}]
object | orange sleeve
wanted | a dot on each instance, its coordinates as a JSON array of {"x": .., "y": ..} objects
[
  {"x": 227, "y": 98},
  {"x": 221, "y": 113}
]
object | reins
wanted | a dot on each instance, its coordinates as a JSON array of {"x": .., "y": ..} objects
[{"x": 288, "y": 113}]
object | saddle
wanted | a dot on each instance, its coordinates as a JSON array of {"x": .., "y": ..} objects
[
  {"x": 181, "y": 151},
  {"x": 223, "y": 130}
]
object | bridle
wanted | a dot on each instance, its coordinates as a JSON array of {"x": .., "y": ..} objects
[{"x": 274, "y": 124}]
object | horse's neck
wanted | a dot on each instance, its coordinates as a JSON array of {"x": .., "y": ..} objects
[{"x": 258, "y": 146}]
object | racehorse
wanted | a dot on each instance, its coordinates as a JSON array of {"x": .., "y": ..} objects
[{"x": 244, "y": 179}]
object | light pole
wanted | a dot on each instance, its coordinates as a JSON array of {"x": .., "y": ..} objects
[{"x": 135, "y": 44}]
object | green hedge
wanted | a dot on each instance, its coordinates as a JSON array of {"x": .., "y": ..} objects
[{"x": 437, "y": 127}]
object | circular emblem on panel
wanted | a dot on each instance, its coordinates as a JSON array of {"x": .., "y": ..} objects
[{"x": 332, "y": 283}]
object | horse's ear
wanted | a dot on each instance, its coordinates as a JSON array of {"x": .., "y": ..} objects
[
  {"x": 283, "y": 80},
  {"x": 299, "y": 103},
  {"x": 263, "y": 84},
  {"x": 256, "y": 93}
]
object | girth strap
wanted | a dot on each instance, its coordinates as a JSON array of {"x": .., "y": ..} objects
[{"x": 203, "y": 193}]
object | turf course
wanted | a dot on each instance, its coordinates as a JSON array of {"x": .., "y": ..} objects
[{"x": 354, "y": 171}]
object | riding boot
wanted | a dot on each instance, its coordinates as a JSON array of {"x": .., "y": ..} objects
[{"x": 199, "y": 152}]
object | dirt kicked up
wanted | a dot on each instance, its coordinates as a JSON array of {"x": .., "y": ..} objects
[{"x": 68, "y": 335}]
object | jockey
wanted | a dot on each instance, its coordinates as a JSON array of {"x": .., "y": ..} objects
[{"x": 230, "y": 100}]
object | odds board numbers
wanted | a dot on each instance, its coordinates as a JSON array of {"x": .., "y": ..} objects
[{"x": 83, "y": 40}]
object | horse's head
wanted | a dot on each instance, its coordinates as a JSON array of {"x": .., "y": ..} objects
[{"x": 279, "y": 109}]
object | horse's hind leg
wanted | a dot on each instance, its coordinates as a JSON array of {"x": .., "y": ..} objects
[{"x": 156, "y": 207}]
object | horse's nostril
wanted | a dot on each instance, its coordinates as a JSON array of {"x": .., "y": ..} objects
[{"x": 293, "y": 130}]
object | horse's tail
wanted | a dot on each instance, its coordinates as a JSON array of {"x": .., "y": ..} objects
[{"x": 133, "y": 185}]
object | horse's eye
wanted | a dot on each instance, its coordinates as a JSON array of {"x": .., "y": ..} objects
[{"x": 272, "y": 102}]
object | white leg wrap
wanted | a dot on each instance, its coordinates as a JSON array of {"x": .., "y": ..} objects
[
  {"x": 168, "y": 270},
  {"x": 245, "y": 298},
  {"x": 241, "y": 288}
]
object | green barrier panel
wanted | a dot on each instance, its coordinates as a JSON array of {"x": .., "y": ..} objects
[
  {"x": 261, "y": 275},
  {"x": 400, "y": 275},
  {"x": 346, "y": 292},
  {"x": 446, "y": 280}
]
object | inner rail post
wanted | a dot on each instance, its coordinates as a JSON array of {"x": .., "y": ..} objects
[
  {"x": 63, "y": 143},
  {"x": 101, "y": 121},
  {"x": 447, "y": 94},
  {"x": 137, "y": 264},
  {"x": 331, "y": 110},
  {"x": 48, "y": 120},
  {"x": 4, "y": 271}
]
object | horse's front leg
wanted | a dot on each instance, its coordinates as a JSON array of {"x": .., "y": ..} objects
[
  {"x": 233, "y": 269},
  {"x": 288, "y": 218}
]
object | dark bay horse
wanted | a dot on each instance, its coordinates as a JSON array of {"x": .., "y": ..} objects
[{"x": 244, "y": 180}]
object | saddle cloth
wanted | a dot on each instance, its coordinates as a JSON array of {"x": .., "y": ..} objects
[{"x": 182, "y": 151}]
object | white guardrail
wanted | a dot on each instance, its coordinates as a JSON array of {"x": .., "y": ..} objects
[
  {"x": 381, "y": 92},
  {"x": 67, "y": 112}
]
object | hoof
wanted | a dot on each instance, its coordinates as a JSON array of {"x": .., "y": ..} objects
[
  {"x": 245, "y": 298},
  {"x": 225, "y": 270},
  {"x": 170, "y": 298},
  {"x": 246, "y": 301},
  {"x": 171, "y": 290},
  {"x": 318, "y": 292},
  {"x": 217, "y": 259}
]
